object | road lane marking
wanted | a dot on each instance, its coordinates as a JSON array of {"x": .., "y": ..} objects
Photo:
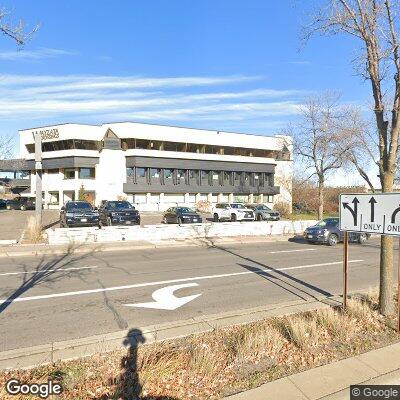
[
  {"x": 46, "y": 270},
  {"x": 156, "y": 283},
  {"x": 290, "y": 251}
]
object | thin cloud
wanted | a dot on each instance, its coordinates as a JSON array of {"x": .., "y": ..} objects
[{"x": 37, "y": 54}]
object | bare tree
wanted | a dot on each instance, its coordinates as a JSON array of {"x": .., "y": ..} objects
[
  {"x": 317, "y": 140},
  {"x": 16, "y": 31},
  {"x": 374, "y": 24}
]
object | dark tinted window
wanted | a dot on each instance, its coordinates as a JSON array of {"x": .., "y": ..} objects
[
  {"x": 78, "y": 205},
  {"x": 119, "y": 205}
]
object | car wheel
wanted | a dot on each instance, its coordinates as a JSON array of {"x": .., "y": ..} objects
[
  {"x": 259, "y": 217},
  {"x": 216, "y": 218},
  {"x": 109, "y": 222},
  {"x": 23, "y": 208},
  {"x": 233, "y": 217},
  {"x": 362, "y": 238},
  {"x": 333, "y": 239}
]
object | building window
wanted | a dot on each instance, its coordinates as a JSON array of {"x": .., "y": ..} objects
[
  {"x": 193, "y": 176},
  {"x": 142, "y": 144},
  {"x": 130, "y": 172},
  {"x": 86, "y": 173},
  {"x": 155, "y": 174},
  {"x": 247, "y": 178},
  {"x": 168, "y": 175},
  {"x": 215, "y": 178},
  {"x": 69, "y": 173},
  {"x": 53, "y": 171},
  {"x": 141, "y": 172},
  {"x": 54, "y": 198},
  {"x": 204, "y": 177},
  {"x": 238, "y": 178},
  {"x": 181, "y": 176}
]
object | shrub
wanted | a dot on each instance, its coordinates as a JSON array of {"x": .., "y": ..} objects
[
  {"x": 204, "y": 206},
  {"x": 33, "y": 231},
  {"x": 283, "y": 208}
]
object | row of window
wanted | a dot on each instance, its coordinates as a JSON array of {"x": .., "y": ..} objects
[
  {"x": 126, "y": 144},
  {"x": 69, "y": 173},
  {"x": 165, "y": 176}
]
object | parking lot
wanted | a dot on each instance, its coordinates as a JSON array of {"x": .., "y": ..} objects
[{"x": 13, "y": 222}]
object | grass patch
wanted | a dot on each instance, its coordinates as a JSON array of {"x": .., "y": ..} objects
[{"x": 214, "y": 364}]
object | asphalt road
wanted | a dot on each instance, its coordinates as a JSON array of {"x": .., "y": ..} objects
[{"x": 52, "y": 298}]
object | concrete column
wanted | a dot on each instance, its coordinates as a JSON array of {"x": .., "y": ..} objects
[
  {"x": 60, "y": 198},
  {"x": 148, "y": 197},
  {"x": 219, "y": 198},
  {"x": 261, "y": 198},
  {"x": 230, "y": 198},
  {"x": 160, "y": 201},
  {"x": 186, "y": 198},
  {"x": 197, "y": 197},
  {"x": 209, "y": 197},
  {"x": 251, "y": 198}
]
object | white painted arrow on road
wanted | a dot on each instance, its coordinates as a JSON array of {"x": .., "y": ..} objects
[{"x": 164, "y": 298}]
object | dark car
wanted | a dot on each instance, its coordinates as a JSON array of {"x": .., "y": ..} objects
[
  {"x": 78, "y": 213},
  {"x": 3, "y": 203},
  {"x": 118, "y": 213},
  {"x": 21, "y": 203},
  {"x": 327, "y": 231},
  {"x": 264, "y": 213},
  {"x": 181, "y": 215}
]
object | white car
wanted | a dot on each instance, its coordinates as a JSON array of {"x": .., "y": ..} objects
[{"x": 232, "y": 212}]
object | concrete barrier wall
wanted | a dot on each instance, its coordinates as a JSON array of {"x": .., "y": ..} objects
[{"x": 154, "y": 233}]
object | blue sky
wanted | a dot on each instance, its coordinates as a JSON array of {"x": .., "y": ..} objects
[{"x": 221, "y": 64}]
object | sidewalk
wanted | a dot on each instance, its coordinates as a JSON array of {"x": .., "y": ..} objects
[
  {"x": 332, "y": 381},
  {"x": 20, "y": 250}
]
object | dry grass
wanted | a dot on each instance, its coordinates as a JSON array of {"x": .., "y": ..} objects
[
  {"x": 214, "y": 364},
  {"x": 33, "y": 230},
  {"x": 301, "y": 330}
]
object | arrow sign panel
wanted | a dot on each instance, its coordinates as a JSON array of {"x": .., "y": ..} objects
[
  {"x": 370, "y": 213},
  {"x": 164, "y": 298}
]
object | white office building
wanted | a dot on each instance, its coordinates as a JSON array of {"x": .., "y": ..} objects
[{"x": 152, "y": 166}]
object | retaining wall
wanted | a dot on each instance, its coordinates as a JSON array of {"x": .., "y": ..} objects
[{"x": 153, "y": 233}]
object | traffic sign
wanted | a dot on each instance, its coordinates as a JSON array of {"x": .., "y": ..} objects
[{"x": 370, "y": 213}]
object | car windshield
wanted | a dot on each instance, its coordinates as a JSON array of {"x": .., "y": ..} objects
[
  {"x": 119, "y": 205},
  {"x": 264, "y": 208},
  {"x": 185, "y": 210},
  {"x": 327, "y": 222},
  {"x": 78, "y": 206},
  {"x": 237, "y": 206}
]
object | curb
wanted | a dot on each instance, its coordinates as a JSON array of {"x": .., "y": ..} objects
[
  {"x": 76, "y": 348},
  {"x": 104, "y": 247}
]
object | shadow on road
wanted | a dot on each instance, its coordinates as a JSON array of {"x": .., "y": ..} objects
[
  {"x": 47, "y": 272},
  {"x": 277, "y": 277},
  {"x": 128, "y": 386}
]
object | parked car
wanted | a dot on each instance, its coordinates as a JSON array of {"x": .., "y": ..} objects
[
  {"x": 264, "y": 213},
  {"x": 232, "y": 212},
  {"x": 3, "y": 203},
  {"x": 118, "y": 213},
  {"x": 327, "y": 231},
  {"x": 181, "y": 215},
  {"x": 21, "y": 203},
  {"x": 78, "y": 213}
]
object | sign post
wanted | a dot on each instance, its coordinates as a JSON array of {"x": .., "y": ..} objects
[
  {"x": 345, "y": 267},
  {"x": 38, "y": 175},
  {"x": 369, "y": 213}
]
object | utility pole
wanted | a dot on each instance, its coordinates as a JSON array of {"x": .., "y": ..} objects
[{"x": 38, "y": 174}]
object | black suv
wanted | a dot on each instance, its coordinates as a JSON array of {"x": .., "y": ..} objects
[
  {"x": 327, "y": 231},
  {"x": 181, "y": 215},
  {"x": 118, "y": 213},
  {"x": 21, "y": 203},
  {"x": 78, "y": 213}
]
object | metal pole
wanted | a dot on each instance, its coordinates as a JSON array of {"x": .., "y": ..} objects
[
  {"x": 398, "y": 289},
  {"x": 38, "y": 174},
  {"x": 345, "y": 267}
]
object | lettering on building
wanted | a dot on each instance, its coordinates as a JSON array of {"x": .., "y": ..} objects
[{"x": 48, "y": 134}]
